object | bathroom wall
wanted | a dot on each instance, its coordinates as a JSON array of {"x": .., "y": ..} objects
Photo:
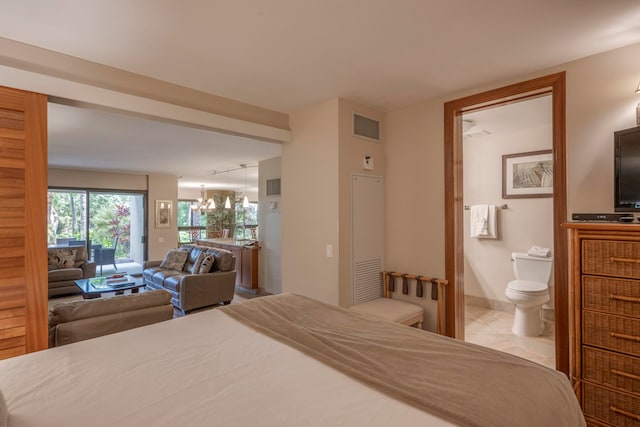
[{"x": 526, "y": 221}]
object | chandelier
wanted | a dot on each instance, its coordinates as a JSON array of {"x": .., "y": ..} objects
[{"x": 203, "y": 204}]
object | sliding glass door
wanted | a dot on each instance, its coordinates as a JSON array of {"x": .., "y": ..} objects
[
  {"x": 111, "y": 224},
  {"x": 67, "y": 216}
]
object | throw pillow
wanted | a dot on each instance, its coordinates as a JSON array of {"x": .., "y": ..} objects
[
  {"x": 52, "y": 261},
  {"x": 174, "y": 260},
  {"x": 67, "y": 261},
  {"x": 195, "y": 268},
  {"x": 207, "y": 264},
  {"x": 61, "y": 258}
]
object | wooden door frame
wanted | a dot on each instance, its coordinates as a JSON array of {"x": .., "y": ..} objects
[{"x": 454, "y": 243}]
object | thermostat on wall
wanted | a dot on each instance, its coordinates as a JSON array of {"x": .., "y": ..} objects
[{"x": 367, "y": 163}]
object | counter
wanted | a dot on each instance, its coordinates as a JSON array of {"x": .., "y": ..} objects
[{"x": 246, "y": 253}]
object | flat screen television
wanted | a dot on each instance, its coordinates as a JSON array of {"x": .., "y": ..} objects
[{"x": 627, "y": 170}]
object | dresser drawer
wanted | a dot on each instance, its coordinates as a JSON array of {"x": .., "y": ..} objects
[
  {"x": 611, "y": 369},
  {"x": 611, "y": 258},
  {"x": 615, "y": 296},
  {"x": 611, "y": 332},
  {"x": 606, "y": 405}
]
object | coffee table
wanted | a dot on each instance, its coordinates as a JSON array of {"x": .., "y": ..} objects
[{"x": 95, "y": 287}]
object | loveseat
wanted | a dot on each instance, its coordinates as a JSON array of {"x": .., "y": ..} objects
[
  {"x": 80, "y": 320},
  {"x": 197, "y": 276},
  {"x": 67, "y": 265}
]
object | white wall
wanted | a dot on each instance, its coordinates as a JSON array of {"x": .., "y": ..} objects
[
  {"x": 414, "y": 196},
  {"x": 269, "y": 229},
  {"x": 600, "y": 100},
  {"x": 310, "y": 203},
  {"x": 160, "y": 240},
  {"x": 525, "y": 223},
  {"x": 352, "y": 149},
  {"x": 59, "y": 177}
]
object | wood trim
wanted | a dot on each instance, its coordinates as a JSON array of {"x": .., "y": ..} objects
[
  {"x": 454, "y": 256},
  {"x": 36, "y": 213}
]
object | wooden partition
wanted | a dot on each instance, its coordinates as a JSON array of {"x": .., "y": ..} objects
[{"x": 23, "y": 222}]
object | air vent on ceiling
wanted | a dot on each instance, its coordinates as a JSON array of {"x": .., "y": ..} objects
[
  {"x": 366, "y": 127},
  {"x": 273, "y": 187}
]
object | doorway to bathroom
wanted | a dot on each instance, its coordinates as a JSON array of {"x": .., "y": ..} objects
[
  {"x": 500, "y": 145},
  {"x": 555, "y": 85}
]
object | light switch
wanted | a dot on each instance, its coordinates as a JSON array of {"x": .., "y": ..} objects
[
  {"x": 160, "y": 239},
  {"x": 329, "y": 250}
]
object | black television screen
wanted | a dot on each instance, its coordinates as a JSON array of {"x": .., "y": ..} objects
[{"x": 627, "y": 170}]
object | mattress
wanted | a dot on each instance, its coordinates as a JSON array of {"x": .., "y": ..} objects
[{"x": 203, "y": 369}]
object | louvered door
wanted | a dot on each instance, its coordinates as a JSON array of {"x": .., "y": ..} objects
[{"x": 23, "y": 223}]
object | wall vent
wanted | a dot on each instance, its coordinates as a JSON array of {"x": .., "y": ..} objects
[
  {"x": 366, "y": 128},
  {"x": 367, "y": 281},
  {"x": 273, "y": 187}
]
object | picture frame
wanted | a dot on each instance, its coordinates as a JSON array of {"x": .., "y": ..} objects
[
  {"x": 527, "y": 175},
  {"x": 163, "y": 213}
]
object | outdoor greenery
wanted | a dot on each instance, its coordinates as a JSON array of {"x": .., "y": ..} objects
[
  {"x": 221, "y": 218},
  {"x": 191, "y": 223},
  {"x": 110, "y": 217}
]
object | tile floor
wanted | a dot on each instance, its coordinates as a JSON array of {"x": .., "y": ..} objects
[{"x": 492, "y": 328}]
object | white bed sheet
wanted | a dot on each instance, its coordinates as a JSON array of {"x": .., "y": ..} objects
[{"x": 204, "y": 369}]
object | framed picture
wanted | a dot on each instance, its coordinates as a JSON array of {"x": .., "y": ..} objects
[
  {"x": 163, "y": 213},
  {"x": 526, "y": 175}
]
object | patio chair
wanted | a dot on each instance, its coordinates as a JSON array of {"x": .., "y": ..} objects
[{"x": 106, "y": 255}]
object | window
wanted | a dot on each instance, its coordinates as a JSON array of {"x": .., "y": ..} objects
[
  {"x": 192, "y": 224},
  {"x": 98, "y": 220},
  {"x": 246, "y": 220}
]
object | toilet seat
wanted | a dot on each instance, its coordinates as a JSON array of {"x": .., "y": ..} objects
[{"x": 527, "y": 287}]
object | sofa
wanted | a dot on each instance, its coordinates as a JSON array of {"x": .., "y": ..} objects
[
  {"x": 74, "y": 321},
  {"x": 196, "y": 276},
  {"x": 66, "y": 265}
]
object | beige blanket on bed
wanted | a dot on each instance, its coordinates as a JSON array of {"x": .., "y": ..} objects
[{"x": 466, "y": 384}]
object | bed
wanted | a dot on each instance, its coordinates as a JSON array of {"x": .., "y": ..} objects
[{"x": 283, "y": 360}]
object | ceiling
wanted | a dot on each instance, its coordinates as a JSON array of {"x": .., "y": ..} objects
[
  {"x": 90, "y": 139},
  {"x": 288, "y": 54},
  {"x": 515, "y": 116}
]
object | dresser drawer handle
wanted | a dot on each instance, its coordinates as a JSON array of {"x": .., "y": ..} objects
[
  {"x": 625, "y": 374},
  {"x": 625, "y": 413},
  {"x": 625, "y": 337},
  {"x": 628, "y": 260},
  {"x": 623, "y": 298}
]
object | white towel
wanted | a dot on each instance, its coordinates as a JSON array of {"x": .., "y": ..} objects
[
  {"x": 482, "y": 221},
  {"x": 539, "y": 251}
]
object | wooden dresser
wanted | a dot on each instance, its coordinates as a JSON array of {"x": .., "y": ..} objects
[{"x": 605, "y": 321}]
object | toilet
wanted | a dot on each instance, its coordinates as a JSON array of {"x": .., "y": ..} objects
[{"x": 529, "y": 292}]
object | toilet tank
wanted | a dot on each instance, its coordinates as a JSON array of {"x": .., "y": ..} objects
[{"x": 527, "y": 267}]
